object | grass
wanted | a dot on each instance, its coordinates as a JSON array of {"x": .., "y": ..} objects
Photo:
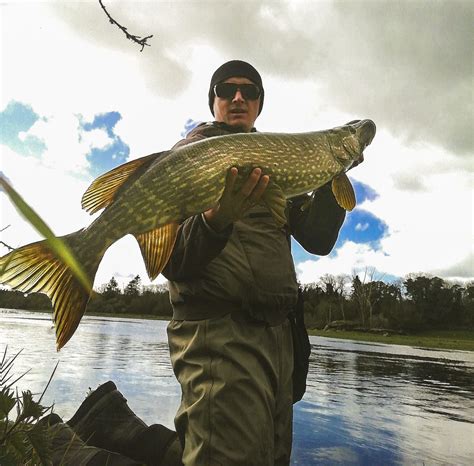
[
  {"x": 118, "y": 315},
  {"x": 441, "y": 339}
]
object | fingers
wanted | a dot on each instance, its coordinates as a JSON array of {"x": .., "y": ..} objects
[
  {"x": 230, "y": 179},
  {"x": 254, "y": 187},
  {"x": 259, "y": 189},
  {"x": 250, "y": 192},
  {"x": 255, "y": 182}
]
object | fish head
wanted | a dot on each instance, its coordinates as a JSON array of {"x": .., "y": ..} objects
[{"x": 349, "y": 141}]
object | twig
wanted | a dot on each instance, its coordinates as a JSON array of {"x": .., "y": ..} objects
[
  {"x": 5, "y": 244},
  {"x": 139, "y": 40}
]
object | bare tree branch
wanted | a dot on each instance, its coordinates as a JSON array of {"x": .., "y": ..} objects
[
  {"x": 5, "y": 244},
  {"x": 139, "y": 40}
]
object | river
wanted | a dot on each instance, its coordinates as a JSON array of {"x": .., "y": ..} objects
[{"x": 366, "y": 404}]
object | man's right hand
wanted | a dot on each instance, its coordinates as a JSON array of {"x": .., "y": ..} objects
[{"x": 232, "y": 205}]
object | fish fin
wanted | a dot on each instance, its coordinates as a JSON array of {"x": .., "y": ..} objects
[
  {"x": 275, "y": 201},
  {"x": 343, "y": 192},
  {"x": 156, "y": 247},
  {"x": 36, "y": 268},
  {"x": 101, "y": 192}
]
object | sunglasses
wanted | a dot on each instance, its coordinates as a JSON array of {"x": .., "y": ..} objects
[{"x": 228, "y": 90}]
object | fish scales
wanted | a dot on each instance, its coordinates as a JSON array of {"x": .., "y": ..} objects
[
  {"x": 149, "y": 197},
  {"x": 158, "y": 196}
]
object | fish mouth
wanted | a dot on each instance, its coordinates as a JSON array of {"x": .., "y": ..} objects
[
  {"x": 367, "y": 132},
  {"x": 362, "y": 131}
]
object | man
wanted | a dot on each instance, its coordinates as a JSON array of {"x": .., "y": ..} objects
[{"x": 232, "y": 284}]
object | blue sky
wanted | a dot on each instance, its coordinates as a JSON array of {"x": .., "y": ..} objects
[
  {"x": 116, "y": 153},
  {"x": 16, "y": 118},
  {"x": 96, "y": 101},
  {"x": 360, "y": 226}
]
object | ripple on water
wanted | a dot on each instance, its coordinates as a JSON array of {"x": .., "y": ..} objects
[{"x": 365, "y": 403}]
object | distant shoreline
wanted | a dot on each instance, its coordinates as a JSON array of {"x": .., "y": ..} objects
[{"x": 462, "y": 340}]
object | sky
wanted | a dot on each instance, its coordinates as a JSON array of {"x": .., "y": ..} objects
[{"x": 78, "y": 98}]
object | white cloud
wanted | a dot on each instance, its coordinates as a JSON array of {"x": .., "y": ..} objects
[
  {"x": 75, "y": 63},
  {"x": 95, "y": 139},
  {"x": 64, "y": 150},
  {"x": 430, "y": 227},
  {"x": 351, "y": 257},
  {"x": 362, "y": 226},
  {"x": 53, "y": 194}
]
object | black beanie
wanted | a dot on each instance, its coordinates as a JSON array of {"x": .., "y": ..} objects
[{"x": 234, "y": 69}]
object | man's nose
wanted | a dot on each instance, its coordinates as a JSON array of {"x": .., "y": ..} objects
[{"x": 238, "y": 97}]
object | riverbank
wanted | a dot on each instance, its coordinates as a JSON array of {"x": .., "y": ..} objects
[
  {"x": 441, "y": 339},
  {"x": 462, "y": 340}
]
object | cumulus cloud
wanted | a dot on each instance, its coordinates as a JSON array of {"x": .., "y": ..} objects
[
  {"x": 404, "y": 63},
  {"x": 426, "y": 230},
  {"x": 66, "y": 145}
]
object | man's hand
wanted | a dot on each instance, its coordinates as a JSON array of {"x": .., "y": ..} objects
[{"x": 232, "y": 205}]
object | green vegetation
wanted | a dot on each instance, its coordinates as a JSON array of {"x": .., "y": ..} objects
[
  {"x": 416, "y": 304},
  {"x": 133, "y": 301},
  {"x": 443, "y": 339},
  {"x": 22, "y": 439},
  {"x": 419, "y": 310},
  {"x": 57, "y": 245}
]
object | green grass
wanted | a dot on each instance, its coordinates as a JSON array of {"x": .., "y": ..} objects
[
  {"x": 128, "y": 316},
  {"x": 442, "y": 339}
]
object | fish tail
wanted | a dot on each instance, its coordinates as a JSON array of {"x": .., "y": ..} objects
[{"x": 36, "y": 268}]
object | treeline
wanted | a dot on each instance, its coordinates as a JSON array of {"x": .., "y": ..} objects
[
  {"x": 133, "y": 299},
  {"x": 418, "y": 302}
]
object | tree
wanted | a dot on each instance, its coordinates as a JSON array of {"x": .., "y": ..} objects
[
  {"x": 335, "y": 294},
  {"x": 133, "y": 287},
  {"x": 433, "y": 297},
  {"x": 111, "y": 289},
  {"x": 363, "y": 295}
]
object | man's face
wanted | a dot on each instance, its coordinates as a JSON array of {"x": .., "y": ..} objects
[{"x": 237, "y": 111}]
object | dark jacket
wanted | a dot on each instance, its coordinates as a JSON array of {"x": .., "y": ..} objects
[{"x": 248, "y": 268}]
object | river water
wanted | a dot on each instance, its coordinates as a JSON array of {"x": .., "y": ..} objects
[{"x": 366, "y": 404}]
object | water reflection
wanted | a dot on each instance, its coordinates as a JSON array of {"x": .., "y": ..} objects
[
  {"x": 366, "y": 403},
  {"x": 381, "y": 404}
]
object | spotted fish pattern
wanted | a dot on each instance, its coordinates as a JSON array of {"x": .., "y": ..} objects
[{"x": 151, "y": 196}]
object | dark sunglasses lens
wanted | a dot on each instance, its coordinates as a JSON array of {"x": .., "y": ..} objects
[
  {"x": 228, "y": 90},
  {"x": 250, "y": 91},
  {"x": 224, "y": 90}
]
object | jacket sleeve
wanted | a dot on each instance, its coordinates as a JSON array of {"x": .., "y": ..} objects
[
  {"x": 196, "y": 245},
  {"x": 315, "y": 221}
]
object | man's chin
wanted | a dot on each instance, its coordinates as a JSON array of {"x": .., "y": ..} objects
[
  {"x": 240, "y": 127},
  {"x": 240, "y": 123}
]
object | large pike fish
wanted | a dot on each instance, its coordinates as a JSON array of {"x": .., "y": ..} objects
[{"x": 149, "y": 197}]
